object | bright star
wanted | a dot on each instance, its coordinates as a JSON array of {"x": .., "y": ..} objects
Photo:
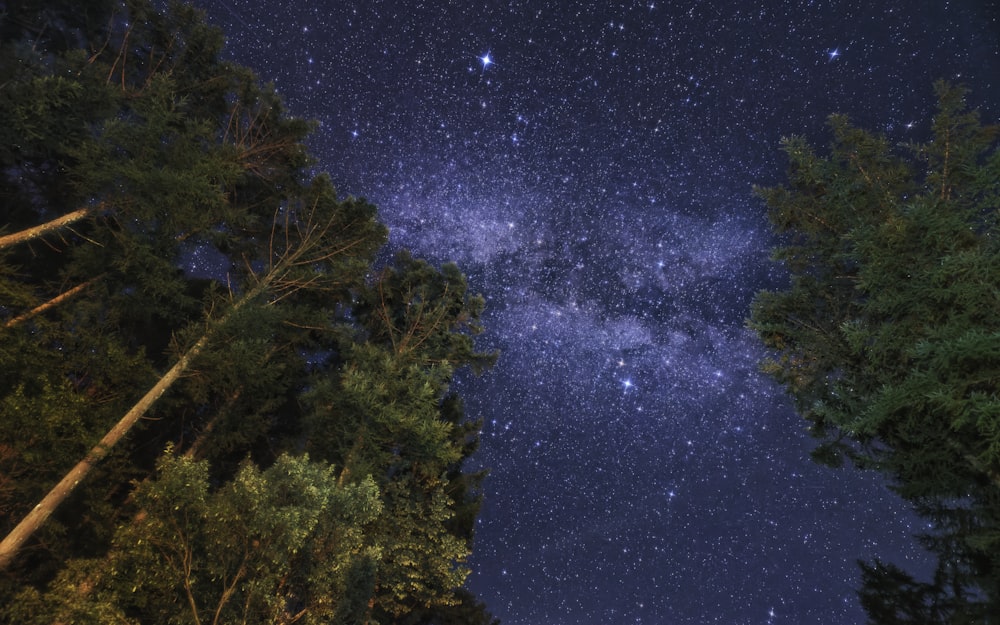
[
  {"x": 627, "y": 384},
  {"x": 486, "y": 60},
  {"x": 833, "y": 53}
]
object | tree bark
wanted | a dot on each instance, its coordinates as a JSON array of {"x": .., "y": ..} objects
[
  {"x": 52, "y": 303},
  {"x": 41, "y": 512},
  {"x": 50, "y": 226},
  {"x": 311, "y": 237}
]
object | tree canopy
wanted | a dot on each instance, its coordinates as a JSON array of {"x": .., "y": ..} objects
[
  {"x": 888, "y": 337},
  {"x": 217, "y": 409}
]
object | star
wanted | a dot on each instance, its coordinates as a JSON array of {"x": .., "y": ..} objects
[{"x": 619, "y": 186}]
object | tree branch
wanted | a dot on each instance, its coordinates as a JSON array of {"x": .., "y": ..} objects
[
  {"x": 41, "y": 512},
  {"x": 52, "y": 303},
  {"x": 50, "y": 226}
]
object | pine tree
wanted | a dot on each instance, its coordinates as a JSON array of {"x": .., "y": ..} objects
[
  {"x": 148, "y": 151},
  {"x": 889, "y": 335},
  {"x": 304, "y": 254},
  {"x": 389, "y": 415}
]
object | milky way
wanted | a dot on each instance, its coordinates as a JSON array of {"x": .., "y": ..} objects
[{"x": 589, "y": 166}]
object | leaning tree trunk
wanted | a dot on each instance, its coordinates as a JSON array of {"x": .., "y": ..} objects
[
  {"x": 41, "y": 512},
  {"x": 52, "y": 303},
  {"x": 50, "y": 226},
  {"x": 306, "y": 251},
  {"x": 13, "y": 542}
]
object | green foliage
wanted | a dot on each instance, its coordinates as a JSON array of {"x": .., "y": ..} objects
[
  {"x": 890, "y": 596},
  {"x": 271, "y": 546},
  {"x": 268, "y": 546},
  {"x": 131, "y": 148},
  {"x": 386, "y": 413},
  {"x": 423, "y": 314},
  {"x": 466, "y": 611},
  {"x": 888, "y": 337},
  {"x": 70, "y": 598},
  {"x": 421, "y": 558}
]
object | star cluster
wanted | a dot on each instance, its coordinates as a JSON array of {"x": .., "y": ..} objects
[{"x": 589, "y": 166}]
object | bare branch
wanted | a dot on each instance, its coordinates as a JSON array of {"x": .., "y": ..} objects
[
  {"x": 52, "y": 303},
  {"x": 48, "y": 227}
]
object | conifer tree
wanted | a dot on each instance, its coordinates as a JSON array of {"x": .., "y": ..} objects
[
  {"x": 888, "y": 337},
  {"x": 149, "y": 151},
  {"x": 390, "y": 415},
  {"x": 304, "y": 252}
]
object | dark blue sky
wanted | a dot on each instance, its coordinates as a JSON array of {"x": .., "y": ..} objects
[{"x": 589, "y": 166}]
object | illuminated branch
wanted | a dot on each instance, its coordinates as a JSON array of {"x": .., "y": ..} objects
[
  {"x": 52, "y": 303},
  {"x": 49, "y": 227}
]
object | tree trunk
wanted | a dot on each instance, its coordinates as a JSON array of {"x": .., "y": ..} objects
[
  {"x": 52, "y": 303},
  {"x": 311, "y": 237},
  {"x": 16, "y": 538},
  {"x": 50, "y": 226}
]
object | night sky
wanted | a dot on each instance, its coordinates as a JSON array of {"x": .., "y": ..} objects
[{"x": 589, "y": 167}]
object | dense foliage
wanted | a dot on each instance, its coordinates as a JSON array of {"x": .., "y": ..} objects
[
  {"x": 227, "y": 413},
  {"x": 888, "y": 338}
]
